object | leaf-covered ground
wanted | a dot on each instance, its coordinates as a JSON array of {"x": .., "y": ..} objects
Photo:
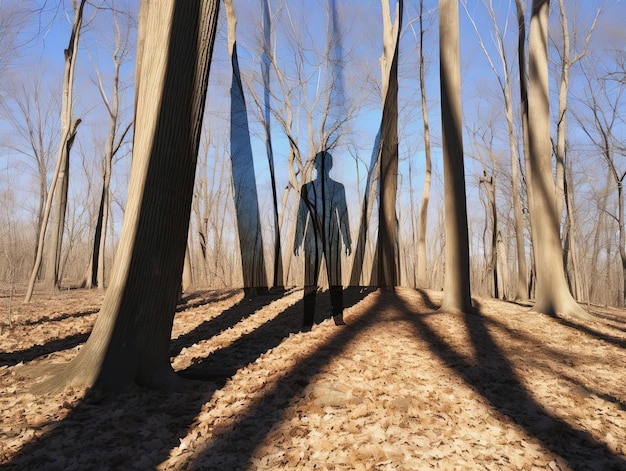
[{"x": 399, "y": 388}]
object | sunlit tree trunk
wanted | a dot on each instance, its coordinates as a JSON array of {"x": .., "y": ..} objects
[
  {"x": 456, "y": 288},
  {"x": 553, "y": 296},
  {"x": 68, "y": 133},
  {"x": 59, "y": 185},
  {"x": 504, "y": 81},
  {"x": 130, "y": 341},
  {"x": 523, "y": 86},
  {"x": 422, "y": 257},
  {"x": 96, "y": 275},
  {"x": 387, "y": 219}
]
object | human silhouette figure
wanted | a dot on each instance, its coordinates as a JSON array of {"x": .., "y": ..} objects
[{"x": 322, "y": 225}]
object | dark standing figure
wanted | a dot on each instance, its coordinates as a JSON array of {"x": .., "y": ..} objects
[{"x": 322, "y": 224}]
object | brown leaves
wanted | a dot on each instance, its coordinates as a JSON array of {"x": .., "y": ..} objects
[{"x": 400, "y": 389}]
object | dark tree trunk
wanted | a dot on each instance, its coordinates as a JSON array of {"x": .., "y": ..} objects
[{"x": 130, "y": 342}]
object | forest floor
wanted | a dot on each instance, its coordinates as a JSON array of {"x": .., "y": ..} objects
[{"x": 399, "y": 388}]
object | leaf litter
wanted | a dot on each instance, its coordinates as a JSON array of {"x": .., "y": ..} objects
[{"x": 399, "y": 388}]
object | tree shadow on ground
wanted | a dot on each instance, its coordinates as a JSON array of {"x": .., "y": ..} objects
[
  {"x": 249, "y": 347},
  {"x": 577, "y": 325},
  {"x": 234, "y": 448},
  {"x": 246, "y": 307},
  {"x": 603, "y": 313},
  {"x": 492, "y": 376},
  {"x": 202, "y": 297},
  {"x": 37, "y": 351},
  {"x": 60, "y": 317},
  {"x": 139, "y": 428}
]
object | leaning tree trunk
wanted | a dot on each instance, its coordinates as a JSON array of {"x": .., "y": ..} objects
[
  {"x": 68, "y": 129},
  {"x": 59, "y": 185},
  {"x": 553, "y": 296},
  {"x": 456, "y": 288},
  {"x": 244, "y": 180},
  {"x": 130, "y": 341},
  {"x": 387, "y": 219}
]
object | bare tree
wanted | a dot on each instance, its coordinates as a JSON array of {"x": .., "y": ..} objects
[
  {"x": 523, "y": 86},
  {"x": 422, "y": 259},
  {"x": 568, "y": 57},
  {"x": 31, "y": 111},
  {"x": 604, "y": 105},
  {"x": 457, "y": 295},
  {"x": 115, "y": 139},
  {"x": 278, "y": 281},
  {"x": 14, "y": 15},
  {"x": 504, "y": 82},
  {"x": 59, "y": 185},
  {"x": 553, "y": 296},
  {"x": 387, "y": 219},
  {"x": 308, "y": 105},
  {"x": 244, "y": 179},
  {"x": 130, "y": 341}
]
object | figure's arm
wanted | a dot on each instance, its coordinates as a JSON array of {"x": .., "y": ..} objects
[
  {"x": 300, "y": 222},
  {"x": 344, "y": 222}
]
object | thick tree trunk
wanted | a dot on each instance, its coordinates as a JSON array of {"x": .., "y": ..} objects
[
  {"x": 387, "y": 219},
  {"x": 456, "y": 289},
  {"x": 553, "y": 296},
  {"x": 130, "y": 340}
]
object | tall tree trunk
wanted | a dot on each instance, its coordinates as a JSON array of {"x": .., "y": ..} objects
[
  {"x": 457, "y": 296},
  {"x": 278, "y": 281},
  {"x": 367, "y": 206},
  {"x": 59, "y": 185},
  {"x": 521, "y": 58},
  {"x": 595, "y": 276},
  {"x": 244, "y": 180},
  {"x": 553, "y": 296},
  {"x": 387, "y": 219},
  {"x": 130, "y": 341},
  {"x": 492, "y": 215},
  {"x": 422, "y": 257},
  {"x": 68, "y": 128}
]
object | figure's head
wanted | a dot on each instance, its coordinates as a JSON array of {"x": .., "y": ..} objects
[{"x": 323, "y": 162}]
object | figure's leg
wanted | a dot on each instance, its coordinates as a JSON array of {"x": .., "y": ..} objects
[
  {"x": 333, "y": 270},
  {"x": 311, "y": 275},
  {"x": 336, "y": 298}
]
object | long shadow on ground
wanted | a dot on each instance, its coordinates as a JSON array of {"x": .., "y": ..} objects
[
  {"x": 36, "y": 351},
  {"x": 25, "y": 355},
  {"x": 139, "y": 428},
  {"x": 492, "y": 376}
]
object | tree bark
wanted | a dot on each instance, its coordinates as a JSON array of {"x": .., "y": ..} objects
[
  {"x": 553, "y": 296},
  {"x": 422, "y": 257},
  {"x": 457, "y": 296},
  {"x": 68, "y": 133},
  {"x": 130, "y": 341},
  {"x": 387, "y": 218},
  {"x": 244, "y": 180},
  {"x": 521, "y": 58},
  {"x": 278, "y": 280}
]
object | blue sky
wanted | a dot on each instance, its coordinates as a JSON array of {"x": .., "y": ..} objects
[{"x": 362, "y": 33}]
